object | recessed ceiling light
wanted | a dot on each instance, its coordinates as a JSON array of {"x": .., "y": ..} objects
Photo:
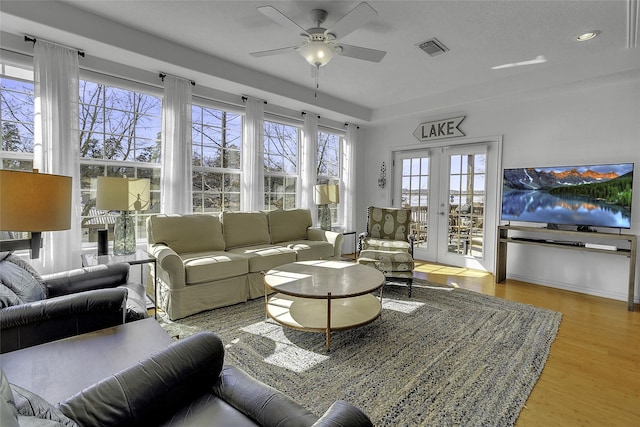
[{"x": 588, "y": 36}]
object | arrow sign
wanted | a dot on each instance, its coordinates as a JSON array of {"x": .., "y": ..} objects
[{"x": 440, "y": 129}]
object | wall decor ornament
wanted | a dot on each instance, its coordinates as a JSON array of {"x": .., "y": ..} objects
[{"x": 382, "y": 181}]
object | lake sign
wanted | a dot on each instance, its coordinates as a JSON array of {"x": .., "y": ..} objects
[{"x": 448, "y": 128}]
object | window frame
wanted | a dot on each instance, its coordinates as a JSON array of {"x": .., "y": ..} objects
[
  {"x": 228, "y": 174},
  {"x": 284, "y": 179}
]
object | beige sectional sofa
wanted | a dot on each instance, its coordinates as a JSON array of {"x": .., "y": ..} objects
[{"x": 210, "y": 261}]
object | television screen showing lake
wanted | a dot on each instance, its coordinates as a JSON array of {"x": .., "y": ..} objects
[{"x": 598, "y": 195}]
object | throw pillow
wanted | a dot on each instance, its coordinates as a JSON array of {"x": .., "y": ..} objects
[
  {"x": 22, "y": 279},
  {"x": 30, "y": 405},
  {"x": 8, "y": 411},
  {"x": 8, "y": 297}
]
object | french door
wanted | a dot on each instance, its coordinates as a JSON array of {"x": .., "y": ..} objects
[{"x": 447, "y": 189}]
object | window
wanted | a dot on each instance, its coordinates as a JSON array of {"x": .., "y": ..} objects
[
  {"x": 216, "y": 142},
  {"x": 281, "y": 142},
  {"x": 16, "y": 118},
  {"x": 329, "y": 167},
  {"x": 119, "y": 136},
  {"x": 328, "y": 156}
]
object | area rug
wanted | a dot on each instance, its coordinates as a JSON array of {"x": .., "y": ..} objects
[{"x": 444, "y": 357}]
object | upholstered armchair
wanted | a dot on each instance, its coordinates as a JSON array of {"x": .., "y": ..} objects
[{"x": 387, "y": 245}]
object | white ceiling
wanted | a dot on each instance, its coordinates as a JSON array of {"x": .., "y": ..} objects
[{"x": 480, "y": 34}]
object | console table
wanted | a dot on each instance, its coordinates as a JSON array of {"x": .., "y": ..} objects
[{"x": 622, "y": 244}]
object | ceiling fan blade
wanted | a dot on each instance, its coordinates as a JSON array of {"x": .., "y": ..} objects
[
  {"x": 281, "y": 18},
  {"x": 353, "y": 20},
  {"x": 273, "y": 51},
  {"x": 364, "y": 53}
]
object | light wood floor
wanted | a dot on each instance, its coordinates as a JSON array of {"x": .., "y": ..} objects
[{"x": 592, "y": 376}]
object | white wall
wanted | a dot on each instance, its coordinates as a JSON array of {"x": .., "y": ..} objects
[{"x": 584, "y": 123}]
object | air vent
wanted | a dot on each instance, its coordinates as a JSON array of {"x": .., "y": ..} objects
[{"x": 433, "y": 47}]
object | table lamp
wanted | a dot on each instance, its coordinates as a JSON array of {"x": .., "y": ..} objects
[
  {"x": 326, "y": 194},
  {"x": 124, "y": 195},
  {"x": 33, "y": 202}
]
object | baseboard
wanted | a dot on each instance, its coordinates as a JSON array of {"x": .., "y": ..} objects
[{"x": 618, "y": 296}]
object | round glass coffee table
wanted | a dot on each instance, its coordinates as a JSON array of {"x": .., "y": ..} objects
[{"x": 323, "y": 296}]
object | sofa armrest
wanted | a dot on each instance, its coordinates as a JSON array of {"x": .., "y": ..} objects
[
  {"x": 86, "y": 279},
  {"x": 343, "y": 414},
  {"x": 150, "y": 391},
  {"x": 39, "y": 322},
  {"x": 170, "y": 265},
  {"x": 332, "y": 237},
  {"x": 265, "y": 405}
]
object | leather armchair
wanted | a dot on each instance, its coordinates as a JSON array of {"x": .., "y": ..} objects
[
  {"x": 34, "y": 323},
  {"x": 100, "y": 277},
  {"x": 187, "y": 384},
  {"x": 73, "y": 302}
]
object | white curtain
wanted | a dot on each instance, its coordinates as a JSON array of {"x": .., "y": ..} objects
[
  {"x": 348, "y": 187},
  {"x": 57, "y": 143},
  {"x": 252, "y": 188},
  {"x": 176, "y": 177},
  {"x": 308, "y": 164}
]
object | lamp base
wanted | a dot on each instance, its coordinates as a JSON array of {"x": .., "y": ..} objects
[
  {"x": 325, "y": 218},
  {"x": 124, "y": 240}
]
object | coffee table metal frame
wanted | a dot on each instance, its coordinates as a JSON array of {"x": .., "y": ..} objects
[{"x": 323, "y": 296}]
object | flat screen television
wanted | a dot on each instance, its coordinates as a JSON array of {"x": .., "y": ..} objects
[{"x": 584, "y": 196}]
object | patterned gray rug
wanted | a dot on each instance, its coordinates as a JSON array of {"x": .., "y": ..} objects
[{"x": 444, "y": 357}]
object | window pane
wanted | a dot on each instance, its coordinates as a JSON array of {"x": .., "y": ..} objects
[
  {"x": 16, "y": 115},
  {"x": 281, "y": 143},
  {"x": 216, "y": 141}
]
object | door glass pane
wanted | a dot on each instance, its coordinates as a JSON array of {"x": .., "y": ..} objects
[
  {"x": 415, "y": 195},
  {"x": 466, "y": 204}
]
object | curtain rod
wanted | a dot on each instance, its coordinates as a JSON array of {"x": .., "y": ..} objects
[
  {"x": 244, "y": 99},
  {"x": 34, "y": 40},
  {"x": 163, "y": 75}
]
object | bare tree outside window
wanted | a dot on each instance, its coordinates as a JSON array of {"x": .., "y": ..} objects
[
  {"x": 216, "y": 142},
  {"x": 329, "y": 166},
  {"x": 120, "y": 134},
  {"x": 281, "y": 144},
  {"x": 16, "y": 116}
]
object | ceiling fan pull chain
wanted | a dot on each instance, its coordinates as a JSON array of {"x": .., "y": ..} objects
[{"x": 315, "y": 95}]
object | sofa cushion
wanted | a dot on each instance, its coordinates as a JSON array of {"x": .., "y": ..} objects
[
  {"x": 245, "y": 229},
  {"x": 265, "y": 257},
  {"x": 389, "y": 223},
  {"x": 307, "y": 250},
  {"x": 201, "y": 267},
  {"x": 17, "y": 275},
  {"x": 187, "y": 233},
  {"x": 290, "y": 224},
  {"x": 385, "y": 245},
  {"x": 388, "y": 261}
]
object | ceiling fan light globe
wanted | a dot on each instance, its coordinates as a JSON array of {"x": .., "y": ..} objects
[{"x": 317, "y": 54}]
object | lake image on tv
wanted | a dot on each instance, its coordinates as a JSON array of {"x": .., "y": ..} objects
[{"x": 598, "y": 196}]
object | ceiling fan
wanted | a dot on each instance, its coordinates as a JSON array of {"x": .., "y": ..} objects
[{"x": 320, "y": 44}]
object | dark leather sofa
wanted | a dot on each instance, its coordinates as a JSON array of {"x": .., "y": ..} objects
[
  {"x": 65, "y": 304},
  {"x": 185, "y": 384}
]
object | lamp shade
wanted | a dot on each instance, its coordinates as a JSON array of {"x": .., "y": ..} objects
[
  {"x": 122, "y": 194},
  {"x": 326, "y": 194},
  {"x": 32, "y": 201},
  {"x": 317, "y": 53}
]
